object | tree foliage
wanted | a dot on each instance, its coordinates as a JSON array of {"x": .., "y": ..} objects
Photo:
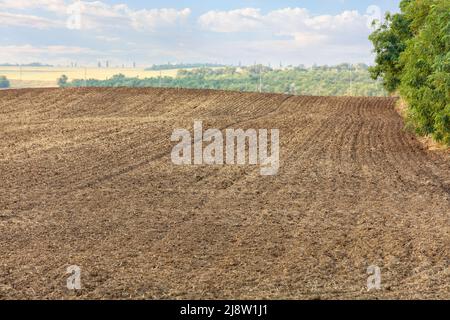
[
  {"x": 62, "y": 81},
  {"x": 425, "y": 82},
  {"x": 4, "y": 82},
  {"x": 413, "y": 56},
  {"x": 389, "y": 42},
  {"x": 342, "y": 79}
]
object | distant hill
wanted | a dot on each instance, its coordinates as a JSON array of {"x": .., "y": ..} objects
[
  {"x": 340, "y": 80},
  {"x": 170, "y": 66}
]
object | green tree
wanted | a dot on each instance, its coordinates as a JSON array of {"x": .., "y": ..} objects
[
  {"x": 413, "y": 54},
  {"x": 425, "y": 82},
  {"x": 4, "y": 82},
  {"x": 389, "y": 41},
  {"x": 323, "y": 80},
  {"x": 417, "y": 11},
  {"x": 62, "y": 81}
]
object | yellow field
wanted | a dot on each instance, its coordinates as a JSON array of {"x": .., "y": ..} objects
[{"x": 47, "y": 76}]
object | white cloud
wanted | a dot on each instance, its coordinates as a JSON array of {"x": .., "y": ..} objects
[
  {"x": 107, "y": 39},
  {"x": 29, "y": 53},
  {"x": 289, "y": 34},
  {"x": 344, "y": 20},
  {"x": 99, "y": 15},
  {"x": 50, "y": 5},
  {"x": 248, "y": 19},
  {"x": 151, "y": 19},
  {"x": 119, "y": 32},
  {"x": 297, "y": 23},
  {"x": 25, "y": 20},
  {"x": 52, "y": 50},
  {"x": 95, "y": 14},
  {"x": 286, "y": 51}
]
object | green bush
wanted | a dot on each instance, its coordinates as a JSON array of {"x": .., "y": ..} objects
[
  {"x": 62, "y": 81},
  {"x": 413, "y": 55},
  {"x": 425, "y": 81},
  {"x": 324, "y": 80},
  {"x": 4, "y": 82},
  {"x": 389, "y": 41}
]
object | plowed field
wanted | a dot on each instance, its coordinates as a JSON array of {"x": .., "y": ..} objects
[{"x": 86, "y": 179}]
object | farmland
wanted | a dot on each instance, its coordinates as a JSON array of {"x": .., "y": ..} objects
[
  {"x": 87, "y": 180},
  {"x": 32, "y": 77}
]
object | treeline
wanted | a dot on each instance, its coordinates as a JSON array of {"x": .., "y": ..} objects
[
  {"x": 343, "y": 79},
  {"x": 170, "y": 66},
  {"x": 413, "y": 57}
]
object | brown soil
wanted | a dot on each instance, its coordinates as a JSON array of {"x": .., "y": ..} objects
[{"x": 86, "y": 179}]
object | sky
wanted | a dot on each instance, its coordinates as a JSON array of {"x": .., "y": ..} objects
[{"x": 290, "y": 32}]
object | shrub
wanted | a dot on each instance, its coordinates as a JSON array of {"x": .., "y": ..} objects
[
  {"x": 4, "y": 82},
  {"x": 62, "y": 81},
  {"x": 425, "y": 82},
  {"x": 389, "y": 41}
]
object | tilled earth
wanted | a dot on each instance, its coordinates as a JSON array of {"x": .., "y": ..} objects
[{"x": 86, "y": 179}]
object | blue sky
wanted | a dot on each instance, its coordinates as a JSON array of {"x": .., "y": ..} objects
[
  {"x": 315, "y": 6},
  {"x": 148, "y": 32}
]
